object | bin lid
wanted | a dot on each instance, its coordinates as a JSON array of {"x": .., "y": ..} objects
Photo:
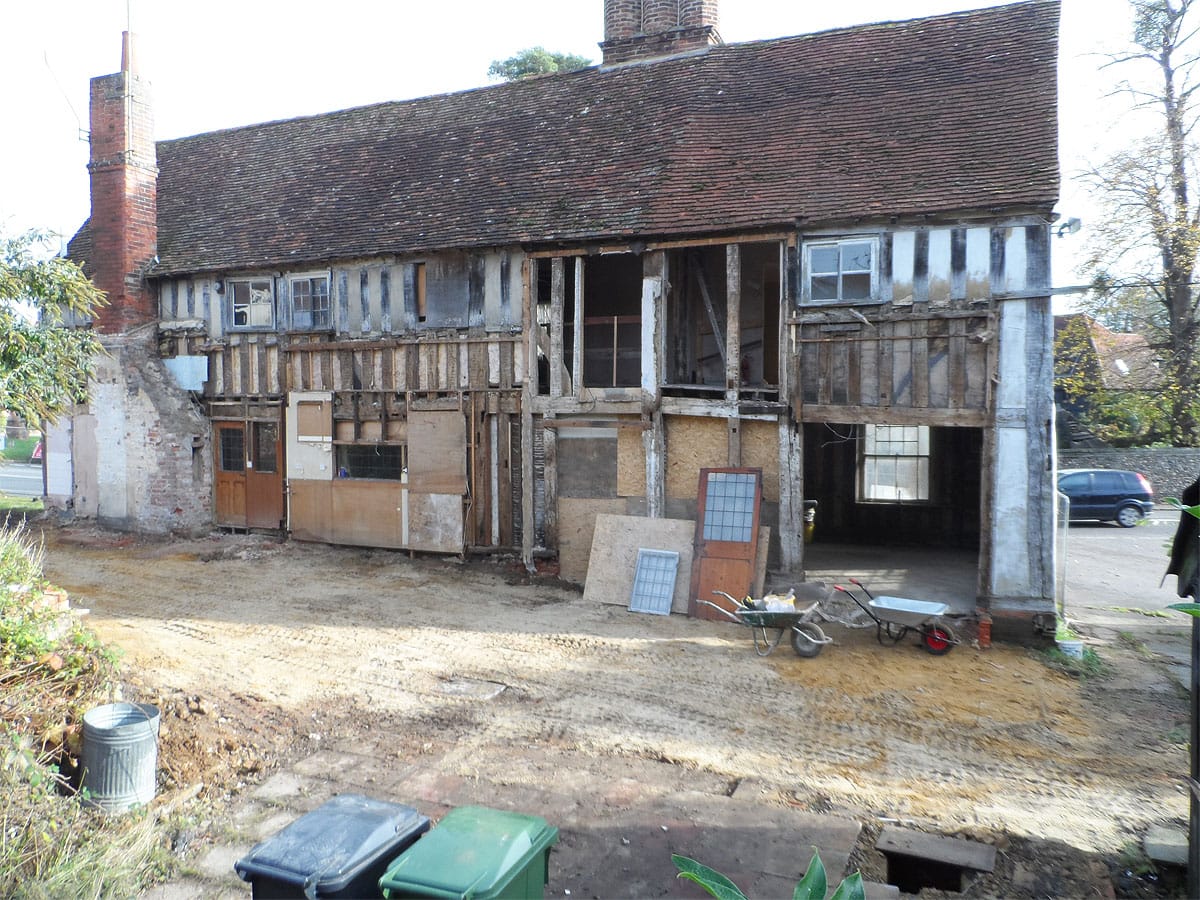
[
  {"x": 325, "y": 849},
  {"x": 473, "y": 852}
]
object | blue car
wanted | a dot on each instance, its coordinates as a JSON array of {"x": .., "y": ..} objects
[{"x": 1107, "y": 495}]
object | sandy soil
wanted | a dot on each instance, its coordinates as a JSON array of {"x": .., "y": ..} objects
[{"x": 258, "y": 650}]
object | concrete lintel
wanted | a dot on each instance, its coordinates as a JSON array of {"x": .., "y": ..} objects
[{"x": 951, "y": 851}]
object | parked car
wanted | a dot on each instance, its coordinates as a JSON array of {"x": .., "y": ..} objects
[{"x": 1109, "y": 495}]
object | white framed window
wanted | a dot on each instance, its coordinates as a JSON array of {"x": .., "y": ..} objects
[
  {"x": 841, "y": 271},
  {"x": 894, "y": 464},
  {"x": 310, "y": 302},
  {"x": 252, "y": 302}
]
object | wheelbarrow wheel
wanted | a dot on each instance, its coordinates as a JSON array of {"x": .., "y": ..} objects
[
  {"x": 807, "y": 639},
  {"x": 938, "y": 639}
]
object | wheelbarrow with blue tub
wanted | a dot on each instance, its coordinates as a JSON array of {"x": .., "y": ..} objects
[
  {"x": 771, "y": 617},
  {"x": 895, "y": 617}
]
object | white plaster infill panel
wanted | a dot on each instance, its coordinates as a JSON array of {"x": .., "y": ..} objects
[
  {"x": 651, "y": 306},
  {"x": 1013, "y": 371},
  {"x": 904, "y": 249},
  {"x": 1010, "y": 509},
  {"x": 112, "y": 488}
]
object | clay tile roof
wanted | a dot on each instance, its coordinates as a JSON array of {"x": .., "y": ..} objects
[{"x": 942, "y": 114}]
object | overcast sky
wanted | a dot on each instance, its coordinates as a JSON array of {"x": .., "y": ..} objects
[{"x": 224, "y": 63}]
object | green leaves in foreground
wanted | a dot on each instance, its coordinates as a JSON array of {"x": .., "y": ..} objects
[
  {"x": 1192, "y": 609},
  {"x": 811, "y": 887}
]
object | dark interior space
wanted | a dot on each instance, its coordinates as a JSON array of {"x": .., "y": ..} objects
[
  {"x": 697, "y": 317},
  {"x": 948, "y": 518}
]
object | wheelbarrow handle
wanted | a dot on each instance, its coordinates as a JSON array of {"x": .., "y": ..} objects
[{"x": 720, "y": 609}]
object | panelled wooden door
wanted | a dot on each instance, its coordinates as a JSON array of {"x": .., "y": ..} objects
[
  {"x": 229, "y": 471},
  {"x": 726, "y": 537},
  {"x": 264, "y": 476},
  {"x": 248, "y": 474}
]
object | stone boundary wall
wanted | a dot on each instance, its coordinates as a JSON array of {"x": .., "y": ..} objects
[{"x": 1169, "y": 469}]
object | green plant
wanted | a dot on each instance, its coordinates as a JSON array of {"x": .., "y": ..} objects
[
  {"x": 19, "y": 449},
  {"x": 811, "y": 887},
  {"x": 1089, "y": 666}
]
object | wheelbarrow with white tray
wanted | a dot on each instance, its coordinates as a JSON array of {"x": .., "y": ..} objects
[{"x": 895, "y": 617}]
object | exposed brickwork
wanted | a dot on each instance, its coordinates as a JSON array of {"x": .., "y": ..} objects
[
  {"x": 152, "y": 453},
  {"x": 666, "y": 43},
  {"x": 124, "y": 196},
  {"x": 147, "y": 463},
  {"x": 640, "y": 29}
]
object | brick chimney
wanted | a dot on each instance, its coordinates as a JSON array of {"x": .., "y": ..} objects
[
  {"x": 643, "y": 29},
  {"x": 124, "y": 175}
]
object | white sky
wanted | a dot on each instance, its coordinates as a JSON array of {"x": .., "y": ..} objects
[{"x": 224, "y": 63}]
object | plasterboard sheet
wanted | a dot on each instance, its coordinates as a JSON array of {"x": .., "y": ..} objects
[
  {"x": 654, "y": 581},
  {"x": 613, "y": 559}
]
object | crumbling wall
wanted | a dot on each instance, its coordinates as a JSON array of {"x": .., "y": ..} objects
[{"x": 149, "y": 447}]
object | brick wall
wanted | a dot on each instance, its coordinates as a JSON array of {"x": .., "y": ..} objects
[
  {"x": 636, "y": 29},
  {"x": 1169, "y": 469},
  {"x": 124, "y": 173}
]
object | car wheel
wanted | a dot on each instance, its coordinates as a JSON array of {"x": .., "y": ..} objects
[{"x": 1128, "y": 516}]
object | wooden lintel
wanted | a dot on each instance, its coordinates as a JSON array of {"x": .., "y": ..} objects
[
  {"x": 627, "y": 424},
  {"x": 391, "y": 343},
  {"x": 823, "y": 318},
  {"x": 893, "y": 415},
  {"x": 676, "y": 244},
  {"x": 568, "y": 406}
]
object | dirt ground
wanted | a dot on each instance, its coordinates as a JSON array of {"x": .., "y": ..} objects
[{"x": 258, "y": 651}]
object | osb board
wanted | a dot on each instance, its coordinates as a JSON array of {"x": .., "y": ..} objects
[
  {"x": 435, "y": 523},
  {"x": 760, "y": 449},
  {"x": 631, "y": 463},
  {"x": 367, "y": 513},
  {"x": 613, "y": 559},
  {"x": 693, "y": 443},
  {"x": 314, "y": 418},
  {"x": 309, "y": 507},
  {"x": 437, "y": 453},
  {"x": 576, "y": 524}
]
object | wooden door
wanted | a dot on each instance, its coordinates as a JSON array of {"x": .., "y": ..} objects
[
  {"x": 264, "y": 475},
  {"x": 726, "y": 537},
  {"x": 229, "y": 467}
]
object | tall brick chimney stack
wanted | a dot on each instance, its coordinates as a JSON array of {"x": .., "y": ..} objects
[
  {"x": 124, "y": 175},
  {"x": 642, "y": 29}
]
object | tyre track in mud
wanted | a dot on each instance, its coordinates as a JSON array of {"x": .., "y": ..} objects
[{"x": 887, "y": 730}]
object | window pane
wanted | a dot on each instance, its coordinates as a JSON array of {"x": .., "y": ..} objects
[
  {"x": 729, "y": 506},
  {"x": 253, "y": 303},
  {"x": 856, "y": 257},
  {"x": 320, "y": 302},
  {"x": 266, "y": 439},
  {"x": 371, "y": 461},
  {"x": 895, "y": 463},
  {"x": 856, "y": 287},
  {"x": 823, "y": 260},
  {"x": 301, "y": 296},
  {"x": 824, "y": 287},
  {"x": 233, "y": 450}
]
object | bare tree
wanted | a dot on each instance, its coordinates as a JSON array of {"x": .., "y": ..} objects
[{"x": 1144, "y": 253}]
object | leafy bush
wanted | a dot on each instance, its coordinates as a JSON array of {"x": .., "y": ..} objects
[{"x": 52, "y": 670}]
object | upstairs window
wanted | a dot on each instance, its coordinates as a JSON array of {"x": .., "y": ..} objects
[
  {"x": 252, "y": 301},
  {"x": 841, "y": 271},
  {"x": 894, "y": 464},
  {"x": 310, "y": 302}
]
